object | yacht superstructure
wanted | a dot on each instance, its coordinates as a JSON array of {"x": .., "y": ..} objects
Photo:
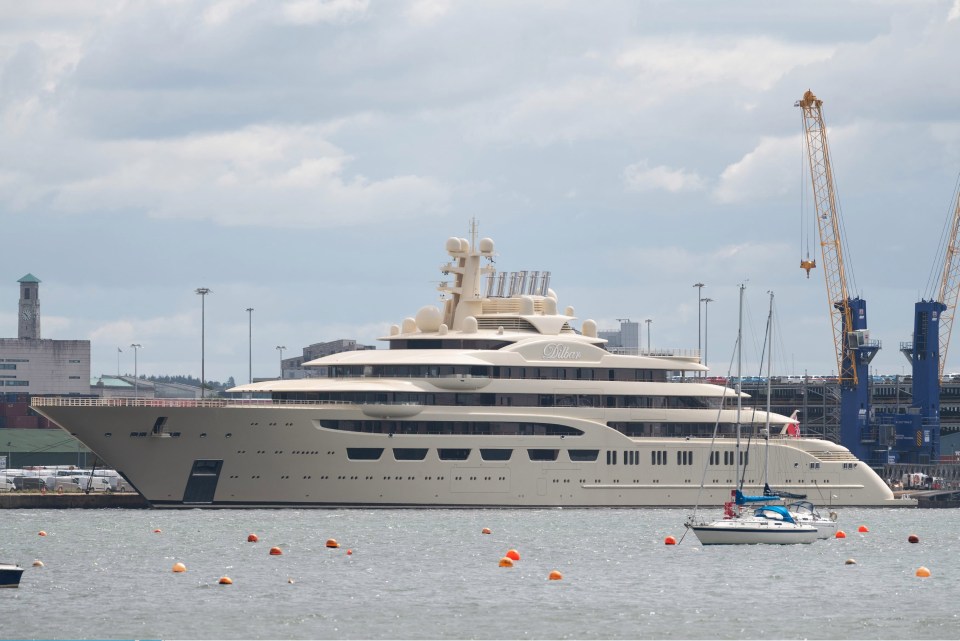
[{"x": 493, "y": 400}]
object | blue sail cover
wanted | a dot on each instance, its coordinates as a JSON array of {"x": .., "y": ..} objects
[
  {"x": 740, "y": 499},
  {"x": 778, "y": 510}
]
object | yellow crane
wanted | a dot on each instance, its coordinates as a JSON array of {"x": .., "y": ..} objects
[
  {"x": 950, "y": 284},
  {"x": 828, "y": 223}
]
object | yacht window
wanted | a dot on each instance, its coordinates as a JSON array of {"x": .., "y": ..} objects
[
  {"x": 453, "y": 454},
  {"x": 409, "y": 453},
  {"x": 364, "y": 453},
  {"x": 489, "y": 454},
  {"x": 583, "y": 455},
  {"x": 543, "y": 455}
]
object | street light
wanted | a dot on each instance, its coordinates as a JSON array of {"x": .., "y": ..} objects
[
  {"x": 250, "y": 343},
  {"x": 280, "y": 348},
  {"x": 203, "y": 291},
  {"x": 648, "y": 321},
  {"x": 699, "y": 287},
  {"x": 136, "y": 387},
  {"x": 706, "y": 326}
]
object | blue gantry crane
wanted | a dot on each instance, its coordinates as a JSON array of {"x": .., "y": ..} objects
[
  {"x": 852, "y": 343},
  {"x": 917, "y": 437}
]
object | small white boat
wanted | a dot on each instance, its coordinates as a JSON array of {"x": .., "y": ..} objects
[
  {"x": 805, "y": 513},
  {"x": 10, "y": 575},
  {"x": 768, "y": 524}
]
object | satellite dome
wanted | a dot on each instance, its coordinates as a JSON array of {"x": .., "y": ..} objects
[
  {"x": 486, "y": 245},
  {"x": 428, "y": 319},
  {"x": 589, "y": 328}
]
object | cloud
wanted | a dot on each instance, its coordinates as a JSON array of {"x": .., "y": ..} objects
[
  {"x": 769, "y": 170},
  {"x": 427, "y": 11},
  {"x": 753, "y": 63},
  {"x": 259, "y": 176},
  {"x": 954, "y": 11},
  {"x": 641, "y": 177},
  {"x": 333, "y": 11}
]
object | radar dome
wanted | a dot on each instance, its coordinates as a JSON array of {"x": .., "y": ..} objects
[
  {"x": 550, "y": 306},
  {"x": 526, "y": 305},
  {"x": 464, "y": 245},
  {"x": 453, "y": 245},
  {"x": 486, "y": 245},
  {"x": 428, "y": 319},
  {"x": 551, "y": 294},
  {"x": 568, "y": 311},
  {"x": 394, "y": 330},
  {"x": 589, "y": 328},
  {"x": 408, "y": 326},
  {"x": 470, "y": 325}
]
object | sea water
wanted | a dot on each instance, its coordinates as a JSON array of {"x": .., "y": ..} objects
[{"x": 428, "y": 574}]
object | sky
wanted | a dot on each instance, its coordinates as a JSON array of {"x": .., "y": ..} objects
[{"x": 309, "y": 158}]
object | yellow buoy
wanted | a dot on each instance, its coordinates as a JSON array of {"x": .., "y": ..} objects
[
  {"x": 841, "y": 534},
  {"x": 913, "y": 538},
  {"x": 38, "y": 563},
  {"x": 555, "y": 576},
  {"x": 923, "y": 572},
  {"x": 275, "y": 551},
  {"x": 669, "y": 541},
  {"x": 252, "y": 538},
  {"x": 506, "y": 562},
  {"x": 849, "y": 562},
  {"x": 485, "y": 530},
  {"x": 863, "y": 528},
  {"x": 225, "y": 580},
  {"x": 513, "y": 554},
  {"x": 179, "y": 567},
  {"x": 332, "y": 543}
]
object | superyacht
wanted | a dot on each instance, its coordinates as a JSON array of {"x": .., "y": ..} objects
[{"x": 494, "y": 399}]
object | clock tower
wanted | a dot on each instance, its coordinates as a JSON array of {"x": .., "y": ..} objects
[{"x": 29, "y": 324}]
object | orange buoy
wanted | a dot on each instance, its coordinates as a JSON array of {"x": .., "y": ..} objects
[
  {"x": 513, "y": 555},
  {"x": 923, "y": 572},
  {"x": 179, "y": 567},
  {"x": 349, "y": 552},
  {"x": 669, "y": 541},
  {"x": 157, "y": 531},
  {"x": 913, "y": 538},
  {"x": 485, "y": 530},
  {"x": 841, "y": 534},
  {"x": 863, "y": 528},
  {"x": 275, "y": 551},
  {"x": 332, "y": 543},
  {"x": 252, "y": 538},
  {"x": 506, "y": 562},
  {"x": 41, "y": 533},
  {"x": 555, "y": 576},
  {"x": 225, "y": 580}
]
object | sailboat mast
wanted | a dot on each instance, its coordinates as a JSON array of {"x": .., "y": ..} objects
[
  {"x": 739, "y": 377},
  {"x": 766, "y": 456}
]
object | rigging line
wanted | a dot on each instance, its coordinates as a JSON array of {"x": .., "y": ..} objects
[
  {"x": 716, "y": 428},
  {"x": 940, "y": 257}
]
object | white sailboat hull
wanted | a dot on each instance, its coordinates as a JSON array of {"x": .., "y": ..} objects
[{"x": 753, "y": 531}]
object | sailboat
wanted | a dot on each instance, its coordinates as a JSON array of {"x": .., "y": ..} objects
[
  {"x": 767, "y": 523},
  {"x": 802, "y": 511}
]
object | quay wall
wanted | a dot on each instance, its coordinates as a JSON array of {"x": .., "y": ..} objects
[{"x": 52, "y": 501}]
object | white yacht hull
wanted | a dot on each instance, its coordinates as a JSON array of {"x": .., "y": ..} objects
[{"x": 266, "y": 454}]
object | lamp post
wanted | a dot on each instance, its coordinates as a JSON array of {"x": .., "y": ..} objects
[
  {"x": 699, "y": 287},
  {"x": 203, "y": 291},
  {"x": 136, "y": 386},
  {"x": 706, "y": 326},
  {"x": 250, "y": 341},
  {"x": 648, "y": 321},
  {"x": 280, "y": 349}
]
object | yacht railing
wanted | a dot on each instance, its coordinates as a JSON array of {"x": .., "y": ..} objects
[{"x": 72, "y": 401}]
